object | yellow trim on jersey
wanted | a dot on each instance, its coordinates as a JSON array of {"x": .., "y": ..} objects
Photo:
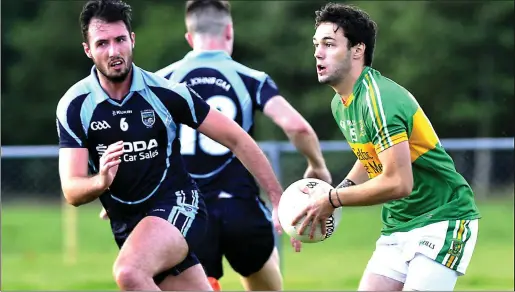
[
  {"x": 349, "y": 100},
  {"x": 396, "y": 139},
  {"x": 375, "y": 106},
  {"x": 459, "y": 237},
  {"x": 423, "y": 137}
]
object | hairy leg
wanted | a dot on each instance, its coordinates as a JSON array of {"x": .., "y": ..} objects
[{"x": 153, "y": 246}]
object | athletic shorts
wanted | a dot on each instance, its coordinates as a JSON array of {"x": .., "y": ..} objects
[
  {"x": 240, "y": 229},
  {"x": 185, "y": 209},
  {"x": 428, "y": 258}
]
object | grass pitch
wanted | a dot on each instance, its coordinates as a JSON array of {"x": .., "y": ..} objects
[{"x": 33, "y": 258}]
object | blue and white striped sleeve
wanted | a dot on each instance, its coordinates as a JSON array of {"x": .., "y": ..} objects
[{"x": 69, "y": 125}]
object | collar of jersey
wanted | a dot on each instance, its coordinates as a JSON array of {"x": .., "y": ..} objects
[
  {"x": 208, "y": 54},
  {"x": 138, "y": 83},
  {"x": 356, "y": 87}
]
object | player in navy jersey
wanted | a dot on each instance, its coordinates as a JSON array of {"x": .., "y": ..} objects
[
  {"x": 121, "y": 123},
  {"x": 240, "y": 225}
]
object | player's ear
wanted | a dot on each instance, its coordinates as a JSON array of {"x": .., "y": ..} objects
[
  {"x": 229, "y": 32},
  {"x": 358, "y": 51},
  {"x": 133, "y": 39},
  {"x": 87, "y": 50},
  {"x": 189, "y": 39}
]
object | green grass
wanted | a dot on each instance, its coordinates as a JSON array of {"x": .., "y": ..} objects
[{"x": 32, "y": 252}]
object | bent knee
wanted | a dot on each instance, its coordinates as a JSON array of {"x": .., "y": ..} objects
[{"x": 128, "y": 277}]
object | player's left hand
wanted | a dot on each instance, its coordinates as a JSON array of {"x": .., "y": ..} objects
[{"x": 316, "y": 212}]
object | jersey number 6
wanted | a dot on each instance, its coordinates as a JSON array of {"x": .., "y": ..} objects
[
  {"x": 190, "y": 137},
  {"x": 124, "y": 126}
]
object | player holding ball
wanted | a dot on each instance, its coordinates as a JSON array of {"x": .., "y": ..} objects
[{"x": 429, "y": 216}]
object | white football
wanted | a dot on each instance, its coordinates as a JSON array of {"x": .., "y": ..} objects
[{"x": 293, "y": 200}]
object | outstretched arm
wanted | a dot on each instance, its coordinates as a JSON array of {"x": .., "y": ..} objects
[
  {"x": 228, "y": 133},
  {"x": 300, "y": 133}
]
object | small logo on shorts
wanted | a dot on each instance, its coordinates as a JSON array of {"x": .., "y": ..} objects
[
  {"x": 427, "y": 243},
  {"x": 148, "y": 118},
  {"x": 190, "y": 209},
  {"x": 456, "y": 247}
]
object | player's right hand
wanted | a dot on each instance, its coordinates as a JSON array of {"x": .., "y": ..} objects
[
  {"x": 109, "y": 162},
  {"x": 321, "y": 173}
]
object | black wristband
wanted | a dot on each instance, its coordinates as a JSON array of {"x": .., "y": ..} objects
[
  {"x": 346, "y": 183},
  {"x": 330, "y": 200}
]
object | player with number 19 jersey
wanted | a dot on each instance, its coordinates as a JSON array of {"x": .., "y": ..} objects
[
  {"x": 235, "y": 90},
  {"x": 238, "y": 219},
  {"x": 380, "y": 114}
]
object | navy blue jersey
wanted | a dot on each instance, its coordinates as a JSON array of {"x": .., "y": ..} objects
[
  {"x": 146, "y": 120},
  {"x": 238, "y": 92}
]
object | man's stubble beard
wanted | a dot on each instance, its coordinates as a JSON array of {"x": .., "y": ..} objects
[
  {"x": 118, "y": 78},
  {"x": 341, "y": 72}
]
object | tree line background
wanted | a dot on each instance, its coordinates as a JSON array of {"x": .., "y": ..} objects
[{"x": 455, "y": 57}]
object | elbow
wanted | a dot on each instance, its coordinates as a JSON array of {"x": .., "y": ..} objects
[
  {"x": 297, "y": 128},
  {"x": 70, "y": 199},
  {"x": 402, "y": 188}
]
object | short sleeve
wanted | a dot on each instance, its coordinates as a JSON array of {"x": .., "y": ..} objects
[
  {"x": 386, "y": 119},
  {"x": 69, "y": 125},
  {"x": 266, "y": 90},
  {"x": 186, "y": 106}
]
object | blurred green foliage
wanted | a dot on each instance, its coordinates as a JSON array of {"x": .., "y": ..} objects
[{"x": 455, "y": 57}]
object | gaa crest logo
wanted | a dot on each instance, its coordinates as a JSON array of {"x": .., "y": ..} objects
[{"x": 148, "y": 118}]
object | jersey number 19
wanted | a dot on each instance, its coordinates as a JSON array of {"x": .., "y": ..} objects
[{"x": 190, "y": 137}]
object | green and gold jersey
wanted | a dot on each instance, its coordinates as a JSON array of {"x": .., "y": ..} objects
[{"x": 379, "y": 114}]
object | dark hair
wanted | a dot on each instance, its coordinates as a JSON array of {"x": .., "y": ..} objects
[
  {"x": 356, "y": 25},
  {"x": 106, "y": 10},
  {"x": 197, "y": 5}
]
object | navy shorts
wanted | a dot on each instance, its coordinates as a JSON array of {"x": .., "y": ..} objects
[
  {"x": 240, "y": 229},
  {"x": 184, "y": 209}
]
